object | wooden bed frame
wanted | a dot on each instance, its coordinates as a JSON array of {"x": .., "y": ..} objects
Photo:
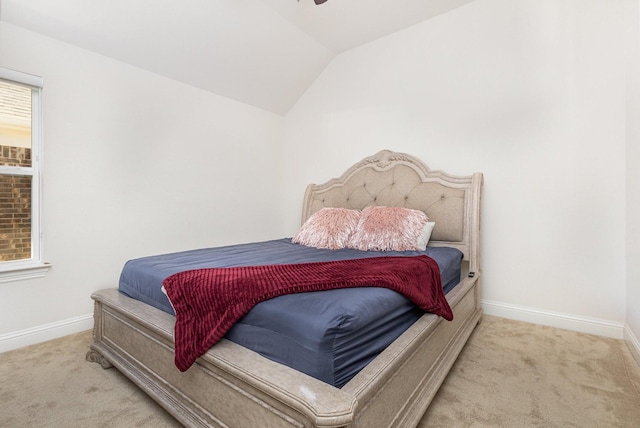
[{"x": 233, "y": 386}]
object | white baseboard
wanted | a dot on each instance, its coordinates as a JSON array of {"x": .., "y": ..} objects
[
  {"x": 572, "y": 322},
  {"x": 632, "y": 343},
  {"x": 45, "y": 332}
]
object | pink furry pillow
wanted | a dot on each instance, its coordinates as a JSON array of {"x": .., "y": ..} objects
[
  {"x": 391, "y": 229},
  {"x": 328, "y": 228}
]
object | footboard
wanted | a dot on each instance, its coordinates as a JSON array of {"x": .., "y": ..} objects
[
  {"x": 233, "y": 386},
  {"x": 229, "y": 386}
]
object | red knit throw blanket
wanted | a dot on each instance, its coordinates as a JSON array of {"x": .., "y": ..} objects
[{"x": 209, "y": 301}]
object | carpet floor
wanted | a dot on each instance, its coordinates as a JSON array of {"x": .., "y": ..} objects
[{"x": 510, "y": 374}]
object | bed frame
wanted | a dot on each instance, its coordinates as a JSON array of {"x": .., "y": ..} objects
[{"x": 233, "y": 386}]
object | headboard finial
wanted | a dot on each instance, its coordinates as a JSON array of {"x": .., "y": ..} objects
[{"x": 385, "y": 158}]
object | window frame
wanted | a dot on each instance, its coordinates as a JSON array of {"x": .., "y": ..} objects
[{"x": 34, "y": 267}]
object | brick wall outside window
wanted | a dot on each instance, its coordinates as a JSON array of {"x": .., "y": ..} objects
[{"x": 15, "y": 206}]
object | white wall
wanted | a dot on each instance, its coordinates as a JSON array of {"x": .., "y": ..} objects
[
  {"x": 135, "y": 164},
  {"x": 632, "y": 331},
  {"x": 530, "y": 93}
]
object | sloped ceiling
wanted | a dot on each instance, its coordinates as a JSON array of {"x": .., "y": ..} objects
[{"x": 264, "y": 53}]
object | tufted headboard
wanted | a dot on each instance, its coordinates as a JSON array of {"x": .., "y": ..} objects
[{"x": 397, "y": 179}]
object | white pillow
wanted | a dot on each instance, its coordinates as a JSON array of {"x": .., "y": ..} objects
[{"x": 425, "y": 236}]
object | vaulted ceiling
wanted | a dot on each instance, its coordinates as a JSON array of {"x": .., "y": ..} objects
[{"x": 264, "y": 53}]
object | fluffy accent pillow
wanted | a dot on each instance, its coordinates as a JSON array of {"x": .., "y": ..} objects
[
  {"x": 328, "y": 228},
  {"x": 391, "y": 229}
]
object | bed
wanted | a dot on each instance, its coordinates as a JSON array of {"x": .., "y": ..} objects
[{"x": 232, "y": 385}]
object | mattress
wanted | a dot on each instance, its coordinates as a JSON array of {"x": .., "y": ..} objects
[{"x": 330, "y": 335}]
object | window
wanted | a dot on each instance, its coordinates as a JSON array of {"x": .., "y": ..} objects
[{"x": 20, "y": 176}]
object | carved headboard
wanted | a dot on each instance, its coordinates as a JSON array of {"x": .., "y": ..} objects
[{"x": 397, "y": 179}]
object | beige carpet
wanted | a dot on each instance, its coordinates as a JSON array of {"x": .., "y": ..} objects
[
  {"x": 510, "y": 374},
  {"x": 515, "y": 374}
]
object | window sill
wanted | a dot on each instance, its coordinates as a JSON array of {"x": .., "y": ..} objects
[{"x": 24, "y": 272}]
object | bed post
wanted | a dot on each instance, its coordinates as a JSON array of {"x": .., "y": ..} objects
[{"x": 477, "y": 180}]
